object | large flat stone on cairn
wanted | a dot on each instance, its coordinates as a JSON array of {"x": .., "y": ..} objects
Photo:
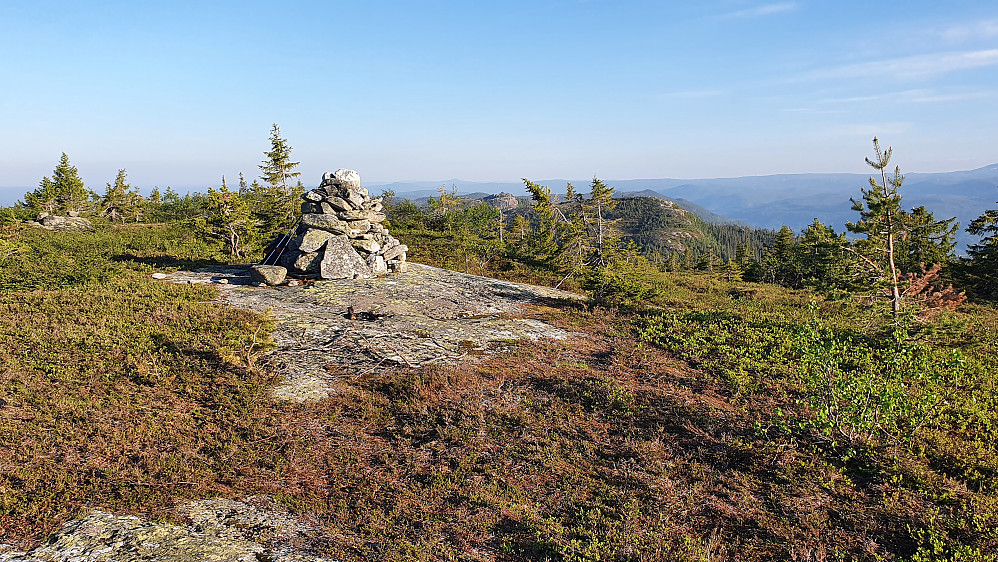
[
  {"x": 329, "y": 223},
  {"x": 341, "y": 261}
]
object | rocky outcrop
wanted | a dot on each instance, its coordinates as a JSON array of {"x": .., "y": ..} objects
[
  {"x": 341, "y": 235},
  {"x": 327, "y": 330},
  {"x": 220, "y": 529},
  {"x": 54, "y": 222},
  {"x": 502, "y": 201}
]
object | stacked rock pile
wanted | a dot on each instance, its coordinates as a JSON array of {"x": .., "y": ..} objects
[{"x": 341, "y": 235}]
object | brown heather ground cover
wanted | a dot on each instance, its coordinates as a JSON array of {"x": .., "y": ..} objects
[{"x": 130, "y": 395}]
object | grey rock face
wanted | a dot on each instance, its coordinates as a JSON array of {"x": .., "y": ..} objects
[
  {"x": 328, "y": 223},
  {"x": 341, "y": 261},
  {"x": 312, "y": 239},
  {"x": 366, "y": 246},
  {"x": 53, "y": 222},
  {"x": 355, "y": 198},
  {"x": 269, "y": 274},
  {"x": 399, "y": 250},
  {"x": 223, "y": 530},
  {"x": 338, "y": 204},
  {"x": 502, "y": 201},
  {"x": 361, "y": 226},
  {"x": 302, "y": 262}
]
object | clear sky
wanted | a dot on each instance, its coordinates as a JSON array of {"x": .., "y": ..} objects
[{"x": 180, "y": 92}]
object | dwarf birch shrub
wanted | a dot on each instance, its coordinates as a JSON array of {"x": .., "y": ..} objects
[{"x": 875, "y": 391}]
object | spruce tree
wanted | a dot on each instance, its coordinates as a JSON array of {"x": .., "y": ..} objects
[
  {"x": 278, "y": 168},
  {"x": 927, "y": 241},
  {"x": 121, "y": 201},
  {"x": 44, "y": 199},
  {"x": 542, "y": 244},
  {"x": 781, "y": 265},
  {"x": 280, "y": 198},
  {"x": 983, "y": 265},
  {"x": 824, "y": 262},
  {"x": 64, "y": 193}
]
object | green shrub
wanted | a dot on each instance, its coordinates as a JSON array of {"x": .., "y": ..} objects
[{"x": 877, "y": 391}]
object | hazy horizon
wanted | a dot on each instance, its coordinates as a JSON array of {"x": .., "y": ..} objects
[{"x": 182, "y": 93}]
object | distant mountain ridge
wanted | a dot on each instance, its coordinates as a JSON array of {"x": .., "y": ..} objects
[{"x": 775, "y": 200}]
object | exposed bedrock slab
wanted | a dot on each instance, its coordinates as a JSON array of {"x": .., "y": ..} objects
[
  {"x": 222, "y": 530},
  {"x": 417, "y": 316}
]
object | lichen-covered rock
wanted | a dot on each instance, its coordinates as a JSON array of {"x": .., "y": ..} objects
[
  {"x": 366, "y": 246},
  {"x": 223, "y": 530},
  {"x": 55, "y": 222},
  {"x": 302, "y": 262},
  {"x": 268, "y": 274},
  {"x": 422, "y": 315},
  {"x": 338, "y": 204},
  {"x": 355, "y": 198},
  {"x": 311, "y": 240},
  {"x": 341, "y": 261},
  {"x": 377, "y": 264},
  {"x": 502, "y": 201},
  {"x": 329, "y": 223},
  {"x": 361, "y": 226},
  {"x": 345, "y": 177},
  {"x": 396, "y": 251}
]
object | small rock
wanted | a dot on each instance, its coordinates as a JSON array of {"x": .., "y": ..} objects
[
  {"x": 158, "y": 275},
  {"x": 268, "y": 274},
  {"x": 396, "y": 251},
  {"x": 368, "y": 246},
  {"x": 355, "y": 199},
  {"x": 361, "y": 226},
  {"x": 302, "y": 262},
  {"x": 223, "y": 281},
  {"x": 53, "y": 222},
  {"x": 377, "y": 265}
]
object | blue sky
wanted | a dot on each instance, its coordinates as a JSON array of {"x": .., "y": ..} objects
[{"x": 179, "y": 93}]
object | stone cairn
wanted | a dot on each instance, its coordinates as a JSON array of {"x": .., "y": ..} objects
[{"x": 341, "y": 235}]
